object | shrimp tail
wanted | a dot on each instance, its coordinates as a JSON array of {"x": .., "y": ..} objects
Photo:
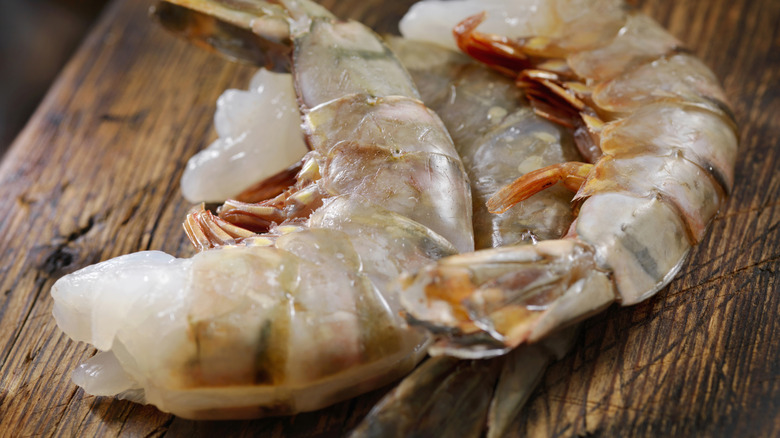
[
  {"x": 621, "y": 248},
  {"x": 442, "y": 397},
  {"x": 484, "y": 304},
  {"x": 445, "y": 396},
  {"x": 256, "y": 32}
]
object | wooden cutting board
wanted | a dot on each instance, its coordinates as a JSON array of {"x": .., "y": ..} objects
[{"x": 95, "y": 175}]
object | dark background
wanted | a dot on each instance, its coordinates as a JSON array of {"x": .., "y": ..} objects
[{"x": 36, "y": 39}]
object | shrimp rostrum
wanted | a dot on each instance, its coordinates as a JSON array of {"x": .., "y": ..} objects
[
  {"x": 289, "y": 306},
  {"x": 660, "y": 143}
]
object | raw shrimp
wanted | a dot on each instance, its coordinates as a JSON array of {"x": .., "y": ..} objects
[
  {"x": 497, "y": 135},
  {"x": 304, "y": 315},
  {"x": 657, "y": 126}
]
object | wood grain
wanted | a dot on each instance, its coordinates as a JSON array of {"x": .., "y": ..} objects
[{"x": 95, "y": 175}]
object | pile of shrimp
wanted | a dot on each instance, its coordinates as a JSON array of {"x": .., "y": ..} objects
[{"x": 621, "y": 155}]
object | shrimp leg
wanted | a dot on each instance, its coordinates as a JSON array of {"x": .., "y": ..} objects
[{"x": 571, "y": 174}]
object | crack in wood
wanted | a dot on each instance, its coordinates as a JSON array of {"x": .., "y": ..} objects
[
  {"x": 65, "y": 411},
  {"x": 161, "y": 430},
  {"x": 749, "y": 211},
  {"x": 640, "y": 371},
  {"x": 39, "y": 283},
  {"x": 133, "y": 119},
  {"x": 735, "y": 251},
  {"x": 757, "y": 266},
  {"x": 595, "y": 405},
  {"x": 60, "y": 257}
]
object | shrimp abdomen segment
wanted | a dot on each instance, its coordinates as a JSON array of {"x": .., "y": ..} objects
[
  {"x": 397, "y": 124},
  {"x": 336, "y": 59},
  {"x": 642, "y": 241},
  {"x": 686, "y": 186},
  {"x": 394, "y": 152},
  {"x": 679, "y": 77},
  {"x": 640, "y": 40},
  {"x": 663, "y": 128},
  {"x": 423, "y": 192}
]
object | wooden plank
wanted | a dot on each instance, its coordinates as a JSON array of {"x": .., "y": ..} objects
[{"x": 95, "y": 175}]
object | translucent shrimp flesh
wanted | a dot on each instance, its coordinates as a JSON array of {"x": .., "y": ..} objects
[{"x": 258, "y": 129}]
